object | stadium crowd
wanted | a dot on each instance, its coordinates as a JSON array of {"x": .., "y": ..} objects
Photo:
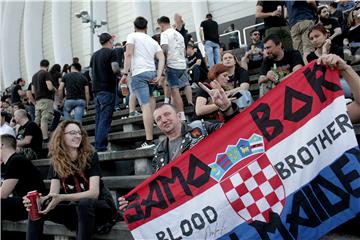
[{"x": 50, "y": 110}]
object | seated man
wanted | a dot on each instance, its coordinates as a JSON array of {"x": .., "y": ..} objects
[
  {"x": 196, "y": 64},
  {"x": 4, "y": 124},
  {"x": 278, "y": 64},
  {"x": 20, "y": 177},
  {"x": 29, "y": 136},
  {"x": 255, "y": 51},
  {"x": 179, "y": 137}
]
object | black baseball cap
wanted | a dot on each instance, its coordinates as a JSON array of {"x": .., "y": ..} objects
[{"x": 104, "y": 37}]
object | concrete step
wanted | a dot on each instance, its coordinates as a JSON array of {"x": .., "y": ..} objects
[{"x": 119, "y": 231}]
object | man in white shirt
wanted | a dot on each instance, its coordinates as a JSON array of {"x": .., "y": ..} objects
[
  {"x": 173, "y": 46},
  {"x": 141, "y": 50}
]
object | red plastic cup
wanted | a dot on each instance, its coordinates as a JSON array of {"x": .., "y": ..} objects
[{"x": 34, "y": 198}]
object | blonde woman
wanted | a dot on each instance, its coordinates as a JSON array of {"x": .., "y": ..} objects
[{"x": 77, "y": 195}]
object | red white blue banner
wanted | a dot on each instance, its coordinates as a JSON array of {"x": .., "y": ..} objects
[{"x": 288, "y": 167}]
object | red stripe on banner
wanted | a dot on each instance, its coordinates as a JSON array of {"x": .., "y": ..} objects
[{"x": 275, "y": 116}]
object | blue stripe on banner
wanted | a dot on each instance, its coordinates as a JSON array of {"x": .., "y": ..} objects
[{"x": 329, "y": 200}]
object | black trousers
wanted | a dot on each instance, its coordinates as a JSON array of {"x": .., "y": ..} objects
[
  {"x": 82, "y": 216},
  {"x": 13, "y": 209}
]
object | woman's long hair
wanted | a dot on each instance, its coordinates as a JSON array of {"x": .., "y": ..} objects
[{"x": 59, "y": 154}]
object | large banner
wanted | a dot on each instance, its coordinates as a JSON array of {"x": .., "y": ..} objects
[{"x": 286, "y": 168}]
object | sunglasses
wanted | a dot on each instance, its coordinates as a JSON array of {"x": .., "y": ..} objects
[{"x": 256, "y": 34}]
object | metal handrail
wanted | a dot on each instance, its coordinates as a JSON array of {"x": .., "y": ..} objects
[
  {"x": 228, "y": 33},
  {"x": 246, "y": 28}
]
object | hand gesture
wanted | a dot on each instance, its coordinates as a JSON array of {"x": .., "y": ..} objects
[
  {"x": 122, "y": 203},
  {"x": 217, "y": 94}
]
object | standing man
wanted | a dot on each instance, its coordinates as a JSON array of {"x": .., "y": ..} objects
[
  {"x": 77, "y": 92},
  {"x": 209, "y": 34},
  {"x": 17, "y": 92},
  {"x": 274, "y": 14},
  {"x": 104, "y": 68},
  {"x": 302, "y": 16},
  {"x": 173, "y": 46},
  {"x": 43, "y": 88},
  {"x": 141, "y": 50}
]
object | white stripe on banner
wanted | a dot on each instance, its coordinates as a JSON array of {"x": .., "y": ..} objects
[
  {"x": 292, "y": 158},
  {"x": 288, "y": 153},
  {"x": 204, "y": 206}
]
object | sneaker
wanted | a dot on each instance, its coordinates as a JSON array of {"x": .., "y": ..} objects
[
  {"x": 117, "y": 109},
  {"x": 134, "y": 114},
  {"x": 145, "y": 145}
]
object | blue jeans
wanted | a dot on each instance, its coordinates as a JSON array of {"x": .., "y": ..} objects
[
  {"x": 140, "y": 85},
  {"x": 212, "y": 50},
  {"x": 104, "y": 106},
  {"x": 117, "y": 97},
  {"x": 78, "y": 105}
]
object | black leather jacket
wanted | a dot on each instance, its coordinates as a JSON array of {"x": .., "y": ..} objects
[{"x": 191, "y": 133}]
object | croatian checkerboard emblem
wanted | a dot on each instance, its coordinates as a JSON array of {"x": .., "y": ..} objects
[{"x": 248, "y": 180}]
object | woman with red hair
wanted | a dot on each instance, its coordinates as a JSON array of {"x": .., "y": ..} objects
[
  {"x": 205, "y": 109},
  {"x": 319, "y": 38}
]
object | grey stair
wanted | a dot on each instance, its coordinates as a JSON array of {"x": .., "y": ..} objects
[
  {"x": 119, "y": 231},
  {"x": 110, "y": 156}
]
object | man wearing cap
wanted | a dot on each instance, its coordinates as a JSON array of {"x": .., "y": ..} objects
[{"x": 104, "y": 68}]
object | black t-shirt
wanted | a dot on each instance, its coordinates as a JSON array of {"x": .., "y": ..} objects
[
  {"x": 55, "y": 78},
  {"x": 354, "y": 34},
  {"x": 330, "y": 25},
  {"x": 29, "y": 89},
  {"x": 240, "y": 76},
  {"x": 75, "y": 84},
  {"x": 29, "y": 178},
  {"x": 80, "y": 181},
  {"x": 120, "y": 56},
  {"x": 192, "y": 60},
  {"x": 15, "y": 97},
  {"x": 285, "y": 65},
  {"x": 31, "y": 129},
  {"x": 211, "y": 30},
  {"x": 39, "y": 81},
  {"x": 103, "y": 78},
  {"x": 334, "y": 49},
  {"x": 270, "y": 6}
]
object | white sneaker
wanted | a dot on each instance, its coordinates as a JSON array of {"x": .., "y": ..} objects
[
  {"x": 134, "y": 114},
  {"x": 145, "y": 145}
]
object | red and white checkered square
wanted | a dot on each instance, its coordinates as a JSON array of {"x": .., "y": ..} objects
[{"x": 255, "y": 190}]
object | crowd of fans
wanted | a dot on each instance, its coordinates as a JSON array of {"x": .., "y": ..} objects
[{"x": 51, "y": 109}]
